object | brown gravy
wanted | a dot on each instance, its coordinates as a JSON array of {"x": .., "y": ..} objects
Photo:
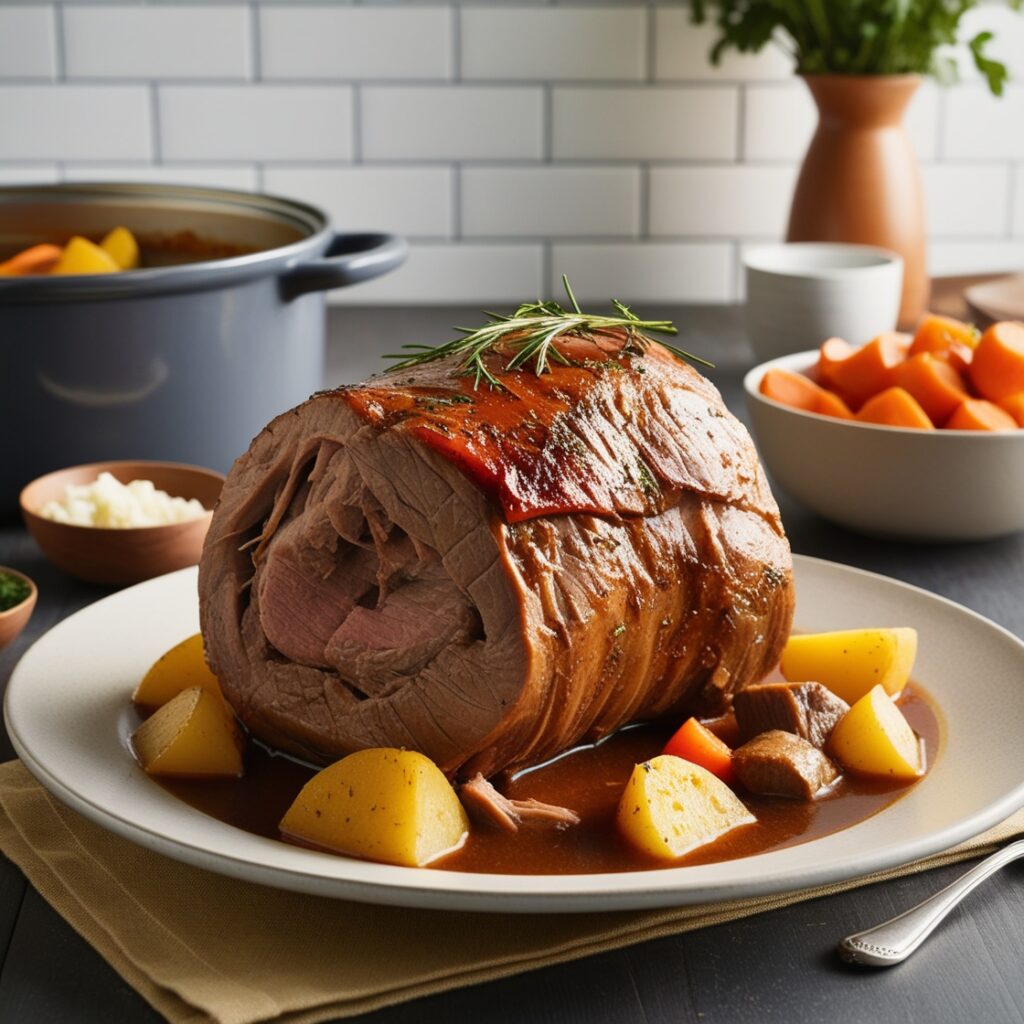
[{"x": 590, "y": 780}]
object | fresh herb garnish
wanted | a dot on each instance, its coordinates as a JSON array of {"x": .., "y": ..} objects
[
  {"x": 13, "y": 590},
  {"x": 529, "y": 335}
]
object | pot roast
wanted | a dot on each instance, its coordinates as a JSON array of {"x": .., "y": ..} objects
[{"x": 492, "y": 575}]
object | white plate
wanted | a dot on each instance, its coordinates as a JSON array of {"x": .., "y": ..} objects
[{"x": 66, "y": 713}]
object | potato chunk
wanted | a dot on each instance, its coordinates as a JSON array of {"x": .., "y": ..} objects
[
  {"x": 194, "y": 734},
  {"x": 80, "y": 256},
  {"x": 121, "y": 247},
  {"x": 183, "y": 666},
  {"x": 671, "y": 806},
  {"x": 852, "y": 661},
  {"x": 380, "y": 804},
  {"x": 873, "y": 738}
]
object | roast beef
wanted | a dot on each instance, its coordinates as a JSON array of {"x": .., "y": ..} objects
[
  {"x": 809, "y": 710},
  {"x": 490, "y": 575},
  {"x": 779, "y": 763}
]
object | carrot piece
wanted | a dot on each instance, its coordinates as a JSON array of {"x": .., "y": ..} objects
[
  {"x": 36, "y": 259},
  {"x": 977, "y": 414},
  {"x": 802, "y": 393},
  {"x": 895, "y": 407},
  {"x": 949, "y": 339},
  {"x": 1014, "y": 405},
  {"x": 830, "y": 404},
  {"x": 868, "y": 370},
  {"x": 997, "y": 369},
  {"x": 938, "y": 388},
  {"x": 693, "y": 742},
  {"x": 832, "y": 352}
]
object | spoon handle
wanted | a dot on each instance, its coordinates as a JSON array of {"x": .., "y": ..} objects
[{"x": 894, "y": 940}]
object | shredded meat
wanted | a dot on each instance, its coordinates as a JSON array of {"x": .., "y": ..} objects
[{"x": 485, "y": 804}]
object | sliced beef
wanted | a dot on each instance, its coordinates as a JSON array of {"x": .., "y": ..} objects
[
  {"x": 485, "y": 804},
  {"x": 808, "y": 709},
  {"x": 778, "y": 763},
  {"x": 377, "y": 649},
  {"x": 491, "y": 576}
]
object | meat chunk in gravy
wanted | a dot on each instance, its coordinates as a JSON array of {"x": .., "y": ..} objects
[
  {"x": 809, "y": 710},
  {"x": 778, "y": 763},
  {"x": 485, "y": 804}
]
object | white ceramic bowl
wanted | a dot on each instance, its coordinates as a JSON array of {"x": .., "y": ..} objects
[
  {"x": 919, "y": 485},
  {"x": 801, "y": 292}
]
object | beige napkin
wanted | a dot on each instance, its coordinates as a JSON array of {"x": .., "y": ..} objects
[{"x": 201, "y": 947}]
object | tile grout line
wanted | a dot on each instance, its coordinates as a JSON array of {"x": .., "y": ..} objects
[
  {"x": 154, "y": 117},
  {"x": 456, "y": 40},
  {"x": 255, "y": 44},
  {"x": 547, "y": 124},
  {"x": 645, "y": 201},
  {"x": 741, "y": 124},
  {"x": 650, "y": 42},
  {"x": 357, "y": 124},
  {"x": 59, "y": 43},
  {"x": 456, "y": 221}
]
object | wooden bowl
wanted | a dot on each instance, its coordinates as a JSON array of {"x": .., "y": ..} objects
[
  {"x": 15, "y": 619},
  {"x": 122, "y": 555}
]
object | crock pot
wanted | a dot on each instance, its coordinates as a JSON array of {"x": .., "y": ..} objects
[{"x": 184, "y": 362}]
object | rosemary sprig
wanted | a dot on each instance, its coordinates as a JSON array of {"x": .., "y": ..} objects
[{"x": 529, "y": 334}]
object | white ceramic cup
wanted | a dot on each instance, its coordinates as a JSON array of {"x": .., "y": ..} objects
[{"x": 800, "y": 293}]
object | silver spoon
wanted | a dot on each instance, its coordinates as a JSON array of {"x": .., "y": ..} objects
[{"x": 892, "y": 942}]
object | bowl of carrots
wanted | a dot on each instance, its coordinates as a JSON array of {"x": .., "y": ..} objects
[{"x": 911, "y": 436}]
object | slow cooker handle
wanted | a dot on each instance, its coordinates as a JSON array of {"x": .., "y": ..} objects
[{"x": 349, "y": 259}]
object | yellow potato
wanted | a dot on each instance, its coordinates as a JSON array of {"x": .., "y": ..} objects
[
  {"x": 850, "y": 662},
  {"x": 178, "y": 669},
  {"x": 121, "y": 247},
  {"x": 873, "y": 738},
  {"x": 381, "y": 804},
  {"x": 80, "y": 256},
  {"x": 193, "y": 734},
  {"x": 671, "y": 806}
]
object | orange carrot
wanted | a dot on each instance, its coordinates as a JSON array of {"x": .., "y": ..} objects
[
  {"x": 895, "y": 407},
  {"x": 868, "y": 370},
  {"x": 1014, "y": 405},
  {"x": 832, "y": 352},
  {"x": 830, "y": 404},
  {"x": 938, "y": 388},
  {"x": 693, "y": 742},
  {"x": 37, "y": 259},
  {"x": 997, "y": 369},
  {"x": 949, "y": 339},
  {"x": 977, "y": 414},
  {"x": 802, "y": 393}
]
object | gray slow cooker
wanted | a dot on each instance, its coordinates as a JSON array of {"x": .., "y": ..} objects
[{"x": 184, "y": 361}]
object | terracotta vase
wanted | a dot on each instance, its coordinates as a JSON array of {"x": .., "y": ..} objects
[{"x": 860, "y": 180}]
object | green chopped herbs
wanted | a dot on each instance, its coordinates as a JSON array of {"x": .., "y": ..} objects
[
  {"x": 619, "y": 629},
  {"x": 13, "y": 590},
  {"x": 529, "y": 335}
]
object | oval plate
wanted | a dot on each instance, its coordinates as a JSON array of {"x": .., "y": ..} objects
[{"x": 66, "y": 714}]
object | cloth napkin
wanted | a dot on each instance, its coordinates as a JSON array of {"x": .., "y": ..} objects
[{"x": 201, "y": 947}]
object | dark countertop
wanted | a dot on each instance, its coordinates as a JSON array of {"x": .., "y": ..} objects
[{"x": 775, "y": 965}]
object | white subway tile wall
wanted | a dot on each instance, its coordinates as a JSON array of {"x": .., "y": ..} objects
[
  {"x": 28, "y": 44},
  {"x": 509, "y": 141}
]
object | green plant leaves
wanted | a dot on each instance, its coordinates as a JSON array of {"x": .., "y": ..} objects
[{"x": 859, "y": 37}]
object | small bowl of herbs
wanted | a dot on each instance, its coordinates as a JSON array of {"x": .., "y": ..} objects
[{"x": 17, "y": 600}]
